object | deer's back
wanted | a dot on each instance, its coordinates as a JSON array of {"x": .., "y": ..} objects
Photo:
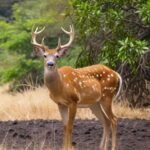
[{"x": 89, "y": 84}]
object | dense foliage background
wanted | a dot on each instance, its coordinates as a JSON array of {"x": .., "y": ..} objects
[
  {"x": 18, "y": 64},
  {"x": 115, "y": 33}
]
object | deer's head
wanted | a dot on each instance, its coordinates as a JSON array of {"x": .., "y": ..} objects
[{"x": 51, "y": 55}]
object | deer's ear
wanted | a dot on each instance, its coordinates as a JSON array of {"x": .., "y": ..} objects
[
  {"x": 62, "y": 52},
  {"x": 39, "y": 50}
]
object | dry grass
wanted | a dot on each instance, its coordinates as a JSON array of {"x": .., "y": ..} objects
[
  {"x": 124, "y": 111},
  {"x": 35, "y": 104}
]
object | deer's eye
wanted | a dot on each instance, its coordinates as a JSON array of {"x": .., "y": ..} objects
[
  {"x": 44, "y": 56},
  {"x": 56, "y": 55}
]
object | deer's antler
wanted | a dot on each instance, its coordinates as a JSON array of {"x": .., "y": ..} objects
[
  {"x": 34, "y": 34},
  {"x": 71, "y": 33}
]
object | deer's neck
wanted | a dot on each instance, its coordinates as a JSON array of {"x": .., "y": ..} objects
[{"x": 53, "y": 81}]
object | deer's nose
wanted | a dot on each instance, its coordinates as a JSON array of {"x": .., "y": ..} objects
[{"x": 50, "y": 63}]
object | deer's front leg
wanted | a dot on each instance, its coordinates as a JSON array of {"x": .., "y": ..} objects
[{"x": 68, "y": 116}]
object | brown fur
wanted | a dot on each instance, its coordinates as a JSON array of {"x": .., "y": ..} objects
[
  {"x": 89, "y": 86},
  {"x": 93, "y": 87}
]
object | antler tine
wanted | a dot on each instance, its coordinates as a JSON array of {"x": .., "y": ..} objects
[
  {"x": 68, "y": 32},
  {"x": 36, "y": 29},
  {"x": 38, "y": 32},
  {"x": 34, "y": 34},
  {"x": 64, "y": 30},
  {"x": 59, "y": 44},
  {"x": 59, "y": 41},
  {"x": 71, "y": 28},
  {"x": 71, "y": 34},
  {"x": 43, "y": 41}
]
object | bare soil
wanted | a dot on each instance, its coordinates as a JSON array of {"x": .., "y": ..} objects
[{"x": 47, "y": 134}]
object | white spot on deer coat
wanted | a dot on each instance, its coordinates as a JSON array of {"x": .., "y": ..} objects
[
  {"x": 82, "y": 76},
  {"x": 64, "y": 75},
  {"x": 80, "y": 83},
  {"x": 108, "y": 79},
  {"x": 93, "y": 87},
  {"x": 112, "y": 75},
  {"x": 67, "y": 85},
  {"x": 75, "y": 79},
  {"x": 105, "y": 88},
  {"x": 97, "y": 75}
]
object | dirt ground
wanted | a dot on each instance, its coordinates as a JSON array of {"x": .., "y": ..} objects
[{"x": 47, "y": 134}]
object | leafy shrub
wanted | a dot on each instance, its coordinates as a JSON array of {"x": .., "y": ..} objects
[
  {"x": 17, "y": 64},
  {"x": 116, "y": 33}
]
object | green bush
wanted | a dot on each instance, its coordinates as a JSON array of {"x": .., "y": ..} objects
[
  {"x": 116, "y": 33},
  {"x": 17, "y": 65}
]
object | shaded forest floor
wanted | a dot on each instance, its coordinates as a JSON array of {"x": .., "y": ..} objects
[{"x": 133, "y": 134}]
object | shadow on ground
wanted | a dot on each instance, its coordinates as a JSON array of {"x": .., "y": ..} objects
[{"x": 47, "y": 134}]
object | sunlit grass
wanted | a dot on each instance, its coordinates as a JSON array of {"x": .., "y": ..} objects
[{"x": 36, "y": 104}]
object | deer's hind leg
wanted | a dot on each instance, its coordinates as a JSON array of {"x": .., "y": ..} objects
[
  {"x": 97, "y": 111},
  {"x": 110, "y": 118}
]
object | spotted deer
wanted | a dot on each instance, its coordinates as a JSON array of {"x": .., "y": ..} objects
[{"x": 93, "y": 87}]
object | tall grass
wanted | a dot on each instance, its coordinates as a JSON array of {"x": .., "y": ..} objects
[{"x": 36, "y": 104}]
